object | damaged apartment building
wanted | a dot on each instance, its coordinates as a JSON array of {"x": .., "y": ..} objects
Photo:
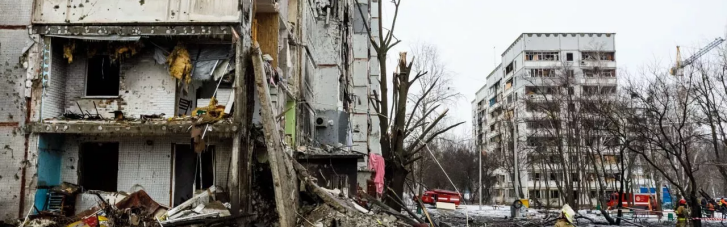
[{"x": 120, "y": 96}]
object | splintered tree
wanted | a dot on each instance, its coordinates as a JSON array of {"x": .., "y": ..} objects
[{"x": 395, "y": 124}]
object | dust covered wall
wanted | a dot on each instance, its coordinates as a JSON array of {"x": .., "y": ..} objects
[
  {"x": 148, "y": 166},
  {"x": 14, "y": 16},
  {"x": 145, "y": 88}
]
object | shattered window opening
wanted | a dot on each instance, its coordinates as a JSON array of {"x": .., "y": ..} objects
[
  {"x": 102, "y": 77},
  {"x": 542, "y": 56},
  {"x": 99, "y": 164}
]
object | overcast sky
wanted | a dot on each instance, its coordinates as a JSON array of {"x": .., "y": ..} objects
[{"x": 465, "y": 31}]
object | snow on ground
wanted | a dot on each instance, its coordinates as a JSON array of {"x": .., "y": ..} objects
[{"x": 500, "y": 216}]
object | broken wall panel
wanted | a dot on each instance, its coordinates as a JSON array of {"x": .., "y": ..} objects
[
  {"x": 327, "y": 39},
  {"x": 144, "y": 162},
  {"x": 144, "y": 11}
]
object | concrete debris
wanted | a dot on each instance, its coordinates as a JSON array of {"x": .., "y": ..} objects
[
  {"x": 136, "y": 209},
  {"x": 198, "y": 209}
]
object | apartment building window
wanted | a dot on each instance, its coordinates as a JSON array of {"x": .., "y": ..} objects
[
  {"x": 511, "y": 193},
  {"x": 597, "y": 55},
  {"x": 573, "y": 158},
  {"x": 543, "y": 90},
  {"x": 608, "y": 90},
  {"x": 554, "y": 194},
  {"x": 548, "y": 107},
  {"x": 492, "y": 127},
  {"x": 509, "y": 84},
  {"x": 535, "y": 194},
  {"x": 543, "y": 124},
  {"x": 592, "y": 141},
  {"x": 91, "y": 170},
  {"x": 575, "y": 177},
  {"x": 102, "y": 77},
  {"x": 495, "y": 87},
  {"x": 569, "y": 56},
  {"x": 541, "y": 56},
  {"x": 542, "y": 72},
  {"x": 510, "y": 67},
  {"x": 589, "y": 107},
  {"x": 536, "y": 176},
  {"x": 599, "y": 73},
  {"x": 590, "y": 90},
  {"x": 553, "y": 176},
  {"x": 611, "y": 142}
]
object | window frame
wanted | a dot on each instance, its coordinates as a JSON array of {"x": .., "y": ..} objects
[{"x": 86, "y": 84}]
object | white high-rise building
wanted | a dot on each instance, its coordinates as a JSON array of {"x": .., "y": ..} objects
[{"x": 542, "y": 75}]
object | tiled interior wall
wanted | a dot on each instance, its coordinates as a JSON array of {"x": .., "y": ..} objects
[
  {"x": 144, "y": 166},
  {"x": 54, "y": 94},
  {"x": 146, "y": 87}
]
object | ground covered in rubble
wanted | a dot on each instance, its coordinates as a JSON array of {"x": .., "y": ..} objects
[{"x": 493, "y": 216}]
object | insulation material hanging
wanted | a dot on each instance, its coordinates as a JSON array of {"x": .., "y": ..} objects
[
  {"x": 120, "y": 51},
  {"x": 180, "y": 65},
  {"x": 68, "y": 50}
]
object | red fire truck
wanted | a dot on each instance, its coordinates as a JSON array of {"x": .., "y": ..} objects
[
  {"x": 644, "y": 201},
  {"x": 439, "y": 195}
]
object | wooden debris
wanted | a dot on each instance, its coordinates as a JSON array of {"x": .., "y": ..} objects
[{"x": 285, "y": 189}]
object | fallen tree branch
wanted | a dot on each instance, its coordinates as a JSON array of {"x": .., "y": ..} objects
[
  {"x": 389, "y": 210},
  {"x": 401, "y": 202}
]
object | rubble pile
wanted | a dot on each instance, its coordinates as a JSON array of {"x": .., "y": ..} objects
[
  {"x": 330, "y": 207},
  {"x": 139, "y": 209}
]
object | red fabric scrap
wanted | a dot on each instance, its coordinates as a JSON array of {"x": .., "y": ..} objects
[{"x": 376, "y": 163}]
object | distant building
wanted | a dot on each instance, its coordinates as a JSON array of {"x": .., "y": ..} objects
[{"x": 542, "y": 72}]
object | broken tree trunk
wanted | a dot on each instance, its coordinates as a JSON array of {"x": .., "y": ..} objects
[
  {"x": 233, "y": 184},
  {"x": 285, "y": 189}
]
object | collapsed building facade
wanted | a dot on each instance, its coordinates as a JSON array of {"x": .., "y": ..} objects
[{"x": 166, "y": 97}]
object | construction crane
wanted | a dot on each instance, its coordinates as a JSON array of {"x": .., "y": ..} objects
[{"x": 677, "y": 70}]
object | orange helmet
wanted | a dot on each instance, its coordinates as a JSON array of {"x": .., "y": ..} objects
[{"x": 682, "y": 202}]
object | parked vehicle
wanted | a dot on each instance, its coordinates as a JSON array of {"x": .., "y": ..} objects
[
  {"x": 439, "y": 195},
  {"x": 644, "y": 201}
]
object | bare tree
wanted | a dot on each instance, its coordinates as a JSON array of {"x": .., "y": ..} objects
[
  {"x": 567, "y": 141},
  {"x": 657, "y": 117},
  {"x": 710, "y": 95},
  {"x": 439, "y": 79},
  {"x": 396, "y": 124}
]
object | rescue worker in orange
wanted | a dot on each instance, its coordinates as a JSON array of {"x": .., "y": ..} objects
[
  {"x": 681, "y": 213},
  {"x": 710, "y": 209}
]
